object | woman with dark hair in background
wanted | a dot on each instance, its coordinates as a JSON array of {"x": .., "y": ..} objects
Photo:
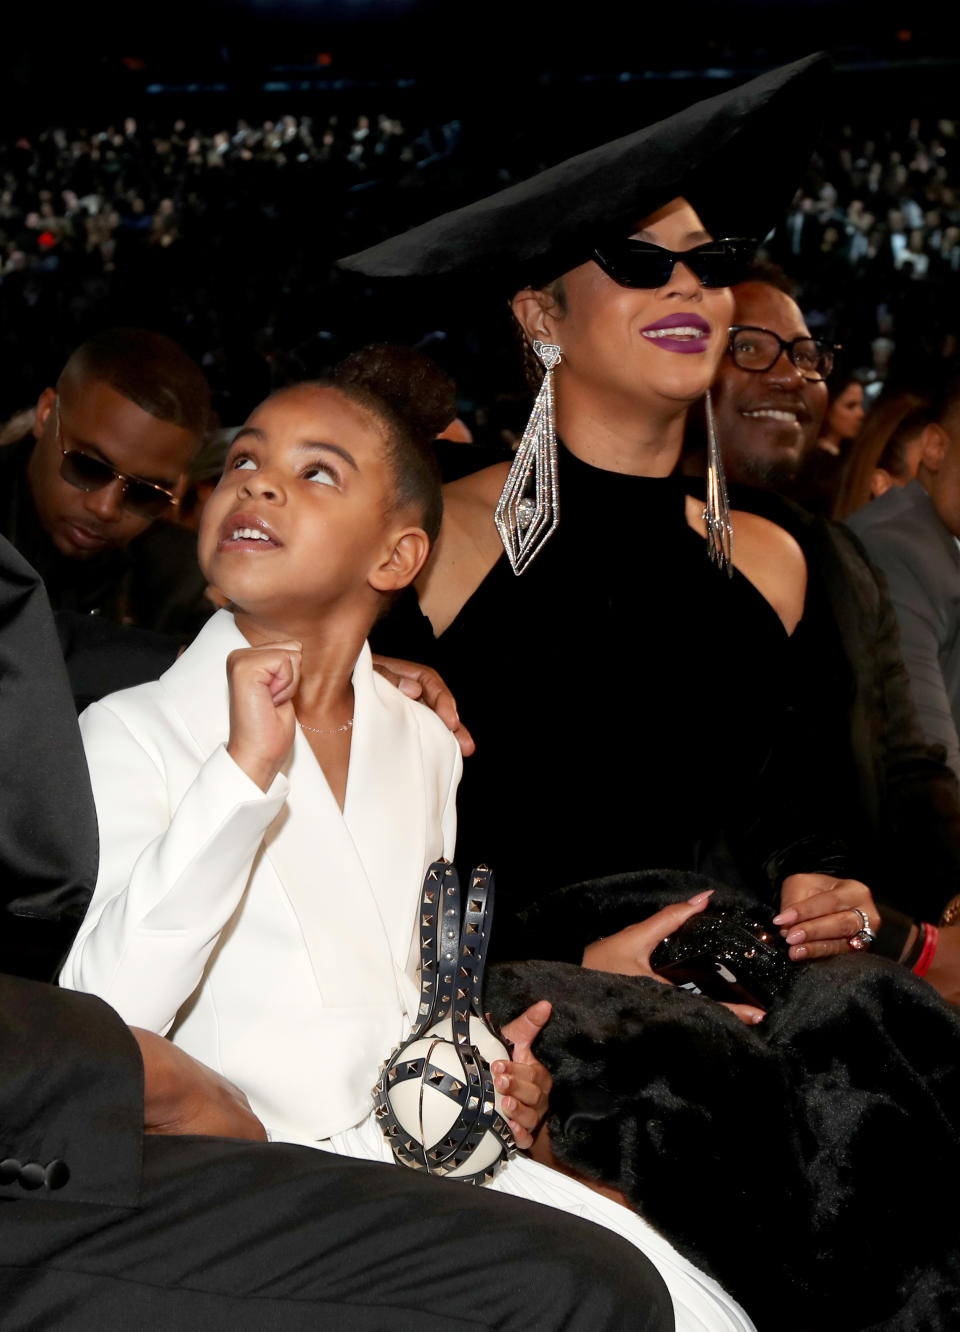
[
  {"x": 822, "y": 472},
  {"x": 845, "y": 414}
]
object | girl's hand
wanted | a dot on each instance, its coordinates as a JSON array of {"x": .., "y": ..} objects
[
  {"x": 263, "y": 682},
  {"x": 522, "y": 1081},
  {"x": 627, "y": 953},
  {"x": 817, "y": 916}
]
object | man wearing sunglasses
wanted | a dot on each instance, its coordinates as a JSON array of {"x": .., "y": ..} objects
[{"x": 110, "y": 446}]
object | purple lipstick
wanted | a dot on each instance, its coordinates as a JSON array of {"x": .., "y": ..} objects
[{"x": 679, "y": 333}]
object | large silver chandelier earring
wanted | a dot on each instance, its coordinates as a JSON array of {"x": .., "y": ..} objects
[
  {"x": 528, "y": 510},
  {"x": 716, "y": 514}
]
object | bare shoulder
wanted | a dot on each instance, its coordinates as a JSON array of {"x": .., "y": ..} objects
[
  {"x": 467, "y": 548},
  {"x": 769, "y": 556}
]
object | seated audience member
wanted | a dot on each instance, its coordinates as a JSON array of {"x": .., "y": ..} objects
[
  {"x": 845, "y": 414},
  {"x": 886, "y": 453},
  {"x": 109, "y": 449},
  {"x": 269, "y": 808},
  {"x": 900, "y": 802},
  {"x": 911, "y": 533},
  {"x": 99, "y": 1138},
  {"x": 820, "y": 478}
]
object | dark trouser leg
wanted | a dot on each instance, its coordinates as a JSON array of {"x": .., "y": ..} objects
[{"x": 235, "y": 1237}]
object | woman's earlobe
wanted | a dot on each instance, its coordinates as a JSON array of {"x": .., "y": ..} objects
[{"x": 531, "y": 314}]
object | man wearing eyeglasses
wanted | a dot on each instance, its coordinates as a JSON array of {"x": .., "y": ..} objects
[
  {"x": 897, "y": 802},
  {"x": 110, "y": 447},
  {"x": 770, "y": 395}
]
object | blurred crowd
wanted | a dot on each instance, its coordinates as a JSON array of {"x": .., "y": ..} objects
[
  {"x": 221, "y": 238},
  {"x": 873, "y": 239}
]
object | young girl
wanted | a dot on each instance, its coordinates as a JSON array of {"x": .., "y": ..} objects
[{"x": 269, "y": 807}]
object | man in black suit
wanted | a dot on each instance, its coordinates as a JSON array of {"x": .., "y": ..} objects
[{"x": 116, "y": 1213}]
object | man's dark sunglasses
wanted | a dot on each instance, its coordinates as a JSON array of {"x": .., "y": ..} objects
[
  {"x": 759, "y": 349},
  {"x": 635, "y": 263},
  {"x": 85, "y": 472}
]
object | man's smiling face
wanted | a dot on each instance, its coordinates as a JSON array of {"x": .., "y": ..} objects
[{"x": 767, "y": 422}]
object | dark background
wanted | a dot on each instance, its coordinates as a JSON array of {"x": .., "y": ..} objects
[{"x": 524, "y": 85}]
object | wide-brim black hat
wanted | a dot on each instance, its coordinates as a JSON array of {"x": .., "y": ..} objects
[{"x": 737, "y": 158}]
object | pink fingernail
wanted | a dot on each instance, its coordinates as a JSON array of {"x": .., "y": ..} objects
[
  {"x": 700, "y": 897},
  {"x": 757, "y": 1017},
  {"x": 798, "y": 954},
  {"x": 796, "y": 936}
]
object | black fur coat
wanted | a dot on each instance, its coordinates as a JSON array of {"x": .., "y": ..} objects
[{"x": 802, "y": 1161}]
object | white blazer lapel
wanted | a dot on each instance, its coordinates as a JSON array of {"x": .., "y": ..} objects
[
  {"x": 197, "y": 682},
  {"x": 339, "y": 911},
  {"x": 385, "y": 805}
]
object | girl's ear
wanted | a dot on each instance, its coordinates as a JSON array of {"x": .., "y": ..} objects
[
  {"x": 406, "y": 557},
  {"x": 537, "y": 313}
]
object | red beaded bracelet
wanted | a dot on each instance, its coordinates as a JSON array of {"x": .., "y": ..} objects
[{"x": 930, "y": 941}]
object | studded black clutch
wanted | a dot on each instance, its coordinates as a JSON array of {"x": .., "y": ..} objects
[{"x": 732, "y": 955}]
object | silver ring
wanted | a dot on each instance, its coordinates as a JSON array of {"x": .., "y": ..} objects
[{"x": 865, "y": 936}]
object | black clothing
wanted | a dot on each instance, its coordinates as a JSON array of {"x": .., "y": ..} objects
[
  {"x": 707, "y": 154},
  {"x": 894, "y": 796},
  {"x": 778, "y": 1157},
  {"x": 161, "y": 1233},
  {"x": 629, "y": 704},
  {"x": 48, "y": 825}
]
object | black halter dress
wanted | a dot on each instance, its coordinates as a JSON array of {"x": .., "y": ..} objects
[{"x": 626, "y": 697}]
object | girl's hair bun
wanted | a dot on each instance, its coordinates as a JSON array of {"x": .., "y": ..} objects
[{"x": 413, "y": 387}]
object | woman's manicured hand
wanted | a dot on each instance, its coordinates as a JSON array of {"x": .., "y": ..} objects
[
  {"x": 818, "y": 914},
  {"x": 628, "y": 952},
  {"x": 522, "y": 1081},
  {"x": 427, "y": 685}
]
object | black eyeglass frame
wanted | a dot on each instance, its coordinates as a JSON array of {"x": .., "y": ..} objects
[
  {"x": 825, "y": 348},
  {"x": 714, "y": 263},
  {"x": 153, "y": 504}
]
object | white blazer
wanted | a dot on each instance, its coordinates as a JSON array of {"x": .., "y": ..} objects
[{"x": 272, "y": 936}]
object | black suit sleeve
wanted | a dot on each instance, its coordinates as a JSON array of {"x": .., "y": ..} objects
[
  {"x": 48, "y": 829},
  {"x": 71, "y": 1091}
]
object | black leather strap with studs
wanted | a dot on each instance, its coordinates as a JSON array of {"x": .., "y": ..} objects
[{"x": 451, "y": 985}]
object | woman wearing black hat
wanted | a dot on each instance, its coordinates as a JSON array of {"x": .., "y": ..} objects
[
  {"x": 620, "y": 649},
  {"x": 625, "y": 688}
]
